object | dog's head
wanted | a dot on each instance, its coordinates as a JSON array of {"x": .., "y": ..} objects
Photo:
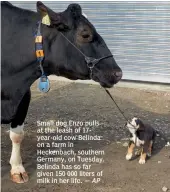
[{"x": 134, "y": 125}]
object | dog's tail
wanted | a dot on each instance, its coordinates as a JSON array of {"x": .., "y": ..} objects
[{"x": 159, "y": 133}]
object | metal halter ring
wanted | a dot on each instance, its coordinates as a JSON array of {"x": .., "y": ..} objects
[{"x": 91, "y": 62}]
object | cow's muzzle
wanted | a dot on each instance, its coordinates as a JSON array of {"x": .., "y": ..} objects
[{"x": 118, "y": 76}]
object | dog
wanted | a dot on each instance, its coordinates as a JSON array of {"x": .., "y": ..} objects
[{"x": 141, "y": 135}]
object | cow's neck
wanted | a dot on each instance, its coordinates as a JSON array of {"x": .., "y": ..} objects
[
  {"x": 52, "y": 49},
  {"x": 31, "y": 69}
]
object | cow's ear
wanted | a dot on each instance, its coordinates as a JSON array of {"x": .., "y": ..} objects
[
  {"x": 75, "y": 10},
  {"x": 49, "y": 17}
]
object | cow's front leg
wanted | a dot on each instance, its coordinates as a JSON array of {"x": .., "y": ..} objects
[{"x": 18, "y": 173}]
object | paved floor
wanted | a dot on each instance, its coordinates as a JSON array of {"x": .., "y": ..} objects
[
  {"x": 128, "y": 84},
  {"x": 84, "y": 102}
]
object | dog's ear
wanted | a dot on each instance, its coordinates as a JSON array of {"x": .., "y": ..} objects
[
  {"x": 140, "y": 124},
  {"x": 137, "y": 121}
]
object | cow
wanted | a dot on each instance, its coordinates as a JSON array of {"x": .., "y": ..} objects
[{"x": 72, "y": 49}]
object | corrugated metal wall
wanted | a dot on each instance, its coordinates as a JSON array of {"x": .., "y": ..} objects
[{"x": 138, "y": 34}]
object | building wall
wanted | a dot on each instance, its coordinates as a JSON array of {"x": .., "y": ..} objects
[{"x": 138, "y": 34}]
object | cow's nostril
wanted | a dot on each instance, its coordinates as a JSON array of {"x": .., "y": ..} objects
[
  {"x": 119, "y": 74},
  {"x": 116, "y": 76}
]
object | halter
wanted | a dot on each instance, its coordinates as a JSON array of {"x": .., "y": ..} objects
[{"x": 91, "y": 61}]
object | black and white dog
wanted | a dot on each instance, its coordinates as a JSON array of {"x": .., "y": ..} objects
[{"x": 141, "y": 135}]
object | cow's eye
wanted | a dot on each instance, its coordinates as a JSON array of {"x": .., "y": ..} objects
[
  {"x": 84, "y": 35},
  {"x": 86, "y": 38}
]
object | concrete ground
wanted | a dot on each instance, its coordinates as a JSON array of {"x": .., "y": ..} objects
[
  {"x": 125, "y": 83},
  {"x": 85, "y": 102}
]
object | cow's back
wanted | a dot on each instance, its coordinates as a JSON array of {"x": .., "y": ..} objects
[{"x": 17, "y": 35}]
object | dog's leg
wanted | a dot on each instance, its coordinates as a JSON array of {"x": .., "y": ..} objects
[
  {"x": 144, "y": 152},
  {"x": 150, "y": 149},
  {"x": 138, "y": 152},
  {"x": 130, "y": 150}
]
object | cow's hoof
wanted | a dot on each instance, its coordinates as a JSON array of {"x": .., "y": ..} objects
[{"x": 19, "y": 178}]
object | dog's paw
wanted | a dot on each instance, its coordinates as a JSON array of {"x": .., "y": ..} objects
[
  {"x": 142, "y": 161},
  {"x": 137, "y": 153},
  {"x": 149, "y": 154},
  {"x": 129, "y": 156}
]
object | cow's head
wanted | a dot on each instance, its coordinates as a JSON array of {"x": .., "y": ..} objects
[{"x": 64, "y": 59}]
